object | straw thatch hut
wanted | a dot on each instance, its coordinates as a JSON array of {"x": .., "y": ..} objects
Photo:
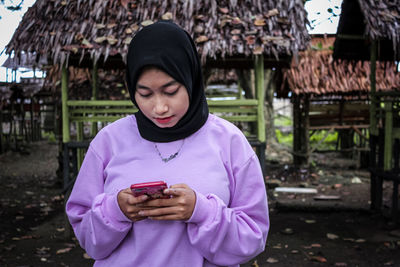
[
  {"x": 95, "y": 34},
  {"x": 332, "y": 95},
  {"x": 80, "y": 32},
  {"x": 369, "y": 30}
]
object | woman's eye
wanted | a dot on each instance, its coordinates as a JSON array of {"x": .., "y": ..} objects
[
  {"x": 172, "y": 92},
  {"x": 144, "y": 95}
]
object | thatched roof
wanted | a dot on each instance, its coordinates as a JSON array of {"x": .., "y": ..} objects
[
  {"x": 25, "y": 60},
  {"x": 78, "y": 31},
  {"x": 372, "y": 20},
  {"x": 317, "y": 73}
]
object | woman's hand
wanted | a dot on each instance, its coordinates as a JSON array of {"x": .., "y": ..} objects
[
  {"x": 129, "y": 204},
  {"x": 179, "y": 207}
]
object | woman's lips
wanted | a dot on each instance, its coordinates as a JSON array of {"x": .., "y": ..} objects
[{"x": 164, "y": 120}]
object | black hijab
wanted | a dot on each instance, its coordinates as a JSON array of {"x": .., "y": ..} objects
[{"x": 168, "y": 47}]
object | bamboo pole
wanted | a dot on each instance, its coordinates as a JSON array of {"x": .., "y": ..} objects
[
  {"x": 372, "y": 107},
  {"x": 260, "y": 94},
  {"x": 387, "y": 158},
  {"x": 95, "y": 89},
  {"x": 64, "y": 101}
]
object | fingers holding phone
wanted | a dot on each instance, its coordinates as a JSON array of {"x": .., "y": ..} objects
[
  {"x": 179, "y": 206},
  {"x": 129, "y": 204}
]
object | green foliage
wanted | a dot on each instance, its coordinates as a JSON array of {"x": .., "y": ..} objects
[
  {"x": 284, "y": 139},
  {"x": 50, "y": 136},
  {"x": 283, "y": 121},
  {"x": 328, "y": 144}
]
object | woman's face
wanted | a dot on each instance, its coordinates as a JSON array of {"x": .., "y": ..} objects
[{"x": 162, "y": 100}]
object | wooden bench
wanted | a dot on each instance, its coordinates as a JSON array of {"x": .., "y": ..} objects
[{"x": 239, "y": 111}]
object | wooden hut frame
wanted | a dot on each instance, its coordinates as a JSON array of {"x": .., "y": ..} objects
[
  {"x": 96, "y": 34},
  {"x": 368, "y": 30}
]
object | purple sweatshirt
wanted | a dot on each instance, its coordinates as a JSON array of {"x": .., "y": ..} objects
[{"x": 230, "y": 221}]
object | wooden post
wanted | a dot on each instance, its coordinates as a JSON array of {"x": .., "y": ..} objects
[
  {"x": 388, "y": 151},
  {"x": 64, "y": 100},
  {"x": 372, "y": 108},
  {"x": 306, "y": 127},
  {"x": 260, "y": 94},
  {"x": 95, "y": 89}
]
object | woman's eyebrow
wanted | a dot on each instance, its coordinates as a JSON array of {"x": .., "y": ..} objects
[{"x": 140, "y": 86}]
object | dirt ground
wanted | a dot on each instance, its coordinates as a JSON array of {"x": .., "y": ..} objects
[{"x": 304, "y": 231}]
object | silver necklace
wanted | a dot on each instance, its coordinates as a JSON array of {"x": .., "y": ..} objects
[{"x": 170, "y": 157}]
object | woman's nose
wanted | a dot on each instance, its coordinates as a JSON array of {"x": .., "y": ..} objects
[{"x": 160, "y": 106}]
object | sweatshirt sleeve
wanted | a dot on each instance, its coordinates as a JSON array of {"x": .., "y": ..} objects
[
  {"x": 95, "y": 216},
  {"x": 230, "y": 235}
]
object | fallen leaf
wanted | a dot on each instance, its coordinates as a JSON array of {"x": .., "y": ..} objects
[
  {"x": 255, "y": 264},
  {"x": 310, "y": 221},
  {"x": 389, "y": 263},
  {"x": 61, "y": 229},
  {"x": 294, "y": 251},
  {"x": 360, "y": 240},
  {"x": 341, "y": 264},
  {"x": 287, "y": 231},
  {"x": 236, "y": 21},
  {"x": 63, "y": 250},
  {"x": 318, "y": 259},
  {"x": 316, "y": 245},
  {"x": 86, "y": 256},
  {"x": 332, "y": 236},
  {"x": 272, "y": 260}
]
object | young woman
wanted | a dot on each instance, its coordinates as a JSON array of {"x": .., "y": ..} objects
[{"x": 216, "y": 213}]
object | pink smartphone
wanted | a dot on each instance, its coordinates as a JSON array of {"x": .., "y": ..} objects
[{"x": 152, "y": 189}]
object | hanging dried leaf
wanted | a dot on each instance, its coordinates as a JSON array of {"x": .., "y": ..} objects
[
  {"x": 235, "y": 37},
  {"x": 236, "y": 31},
  {"x": 100, "y": 26},
  {"x": 272, "y": 12},
  {"x": 223, "y": 10},
  {"x": 134, "y": 27},
  {"x": 199, "y": 17},
  {"x": 125, "y": 3},
  {"x": 79, "y": 37},
  {"x": 111, "y": 25},
  {"x": 236, "y": 21},
  {"x": 53, "y": 33},
  {"x": 128, "y": 31},
  {"x": 225, "y": 22},
  {"x": 101, "y": 39},
  {"x": 86, "y": 44},
  {"x": 73, "y": 48},
  {"x": 258, "y": 50},
  {"x": 128, "y": 40},
  {"x": 146, "y": 23},
  {"x": 259, "y": 22},
  {"x": 250, "y": 39},
  {"x": 112, "y": 40},
  {"x": 167, "y": 16},
  {"x": 201, "y": 39},
  {"x": 198, "y": 29}
]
